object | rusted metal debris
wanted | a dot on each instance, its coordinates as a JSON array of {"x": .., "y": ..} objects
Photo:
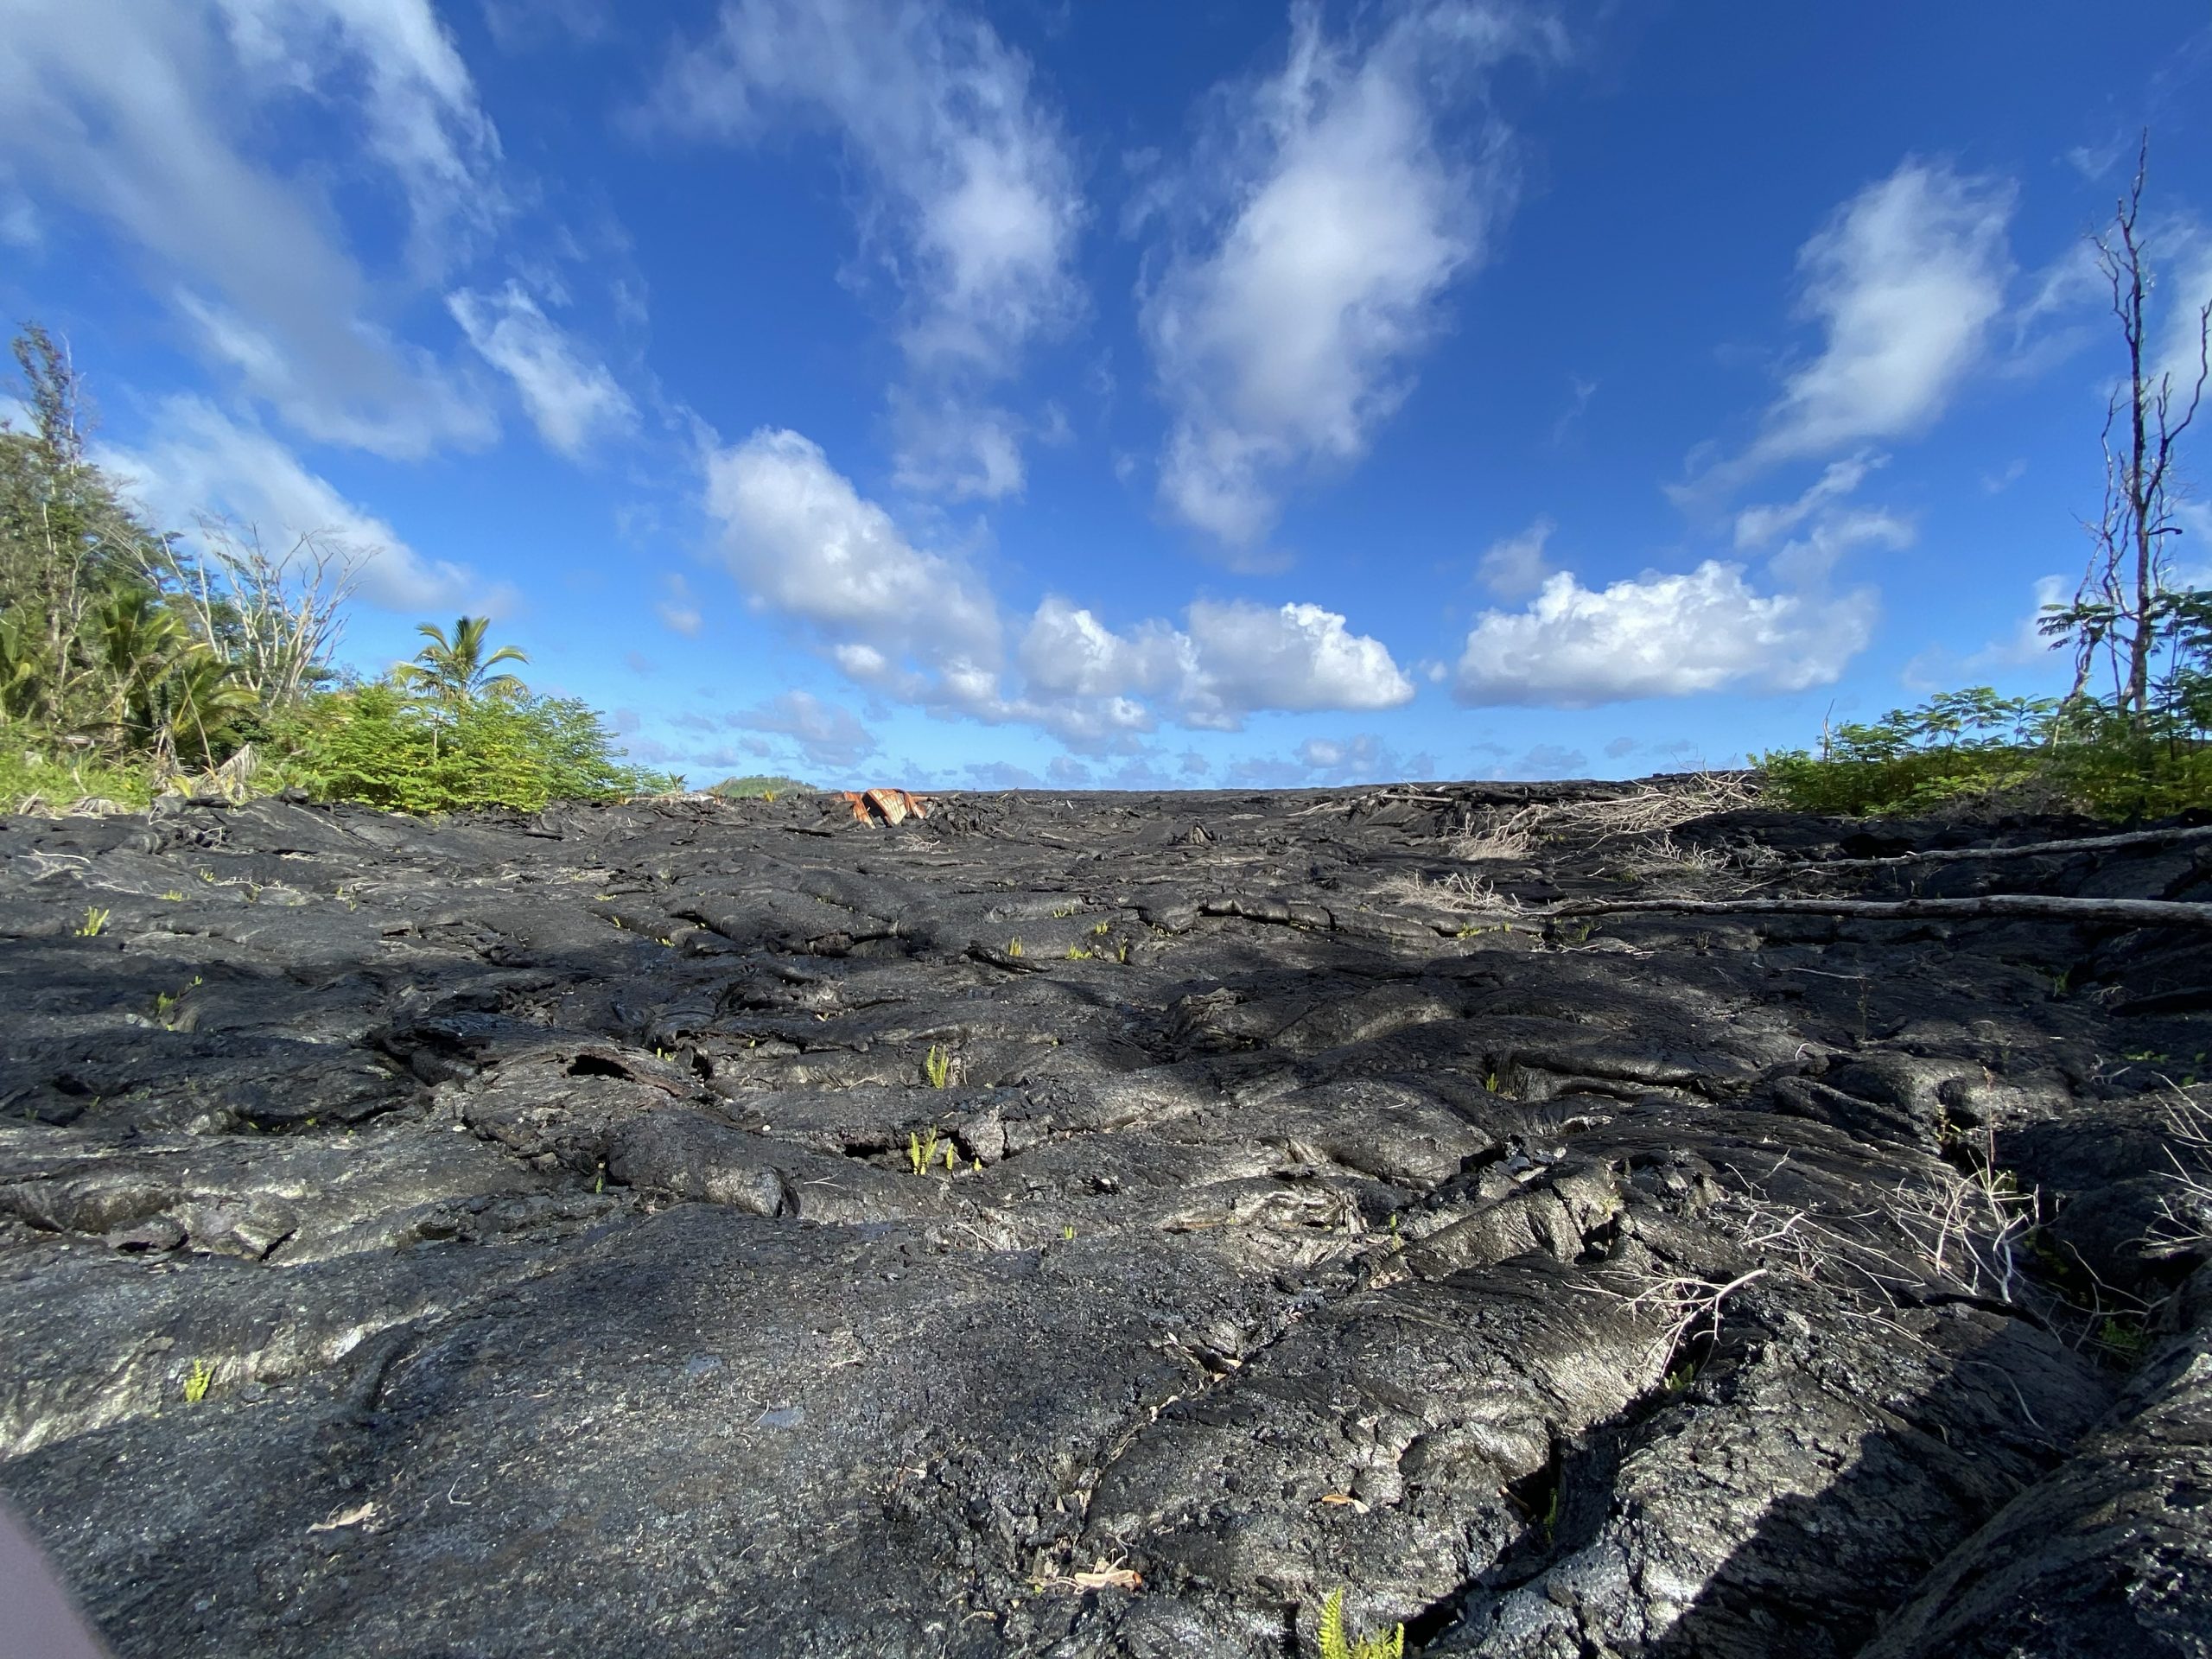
[{"x": 886, "y": 805}]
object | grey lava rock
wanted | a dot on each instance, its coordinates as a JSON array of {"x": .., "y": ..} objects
[{"x": 1095, "y": 1228}]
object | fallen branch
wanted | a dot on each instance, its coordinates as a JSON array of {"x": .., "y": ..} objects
[
  {"x": 2124, "y": 913},
  {"x": 2088, "y": 844}
]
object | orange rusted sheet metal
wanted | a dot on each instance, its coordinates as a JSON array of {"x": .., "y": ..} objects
[{"x": 886, "y": 805}]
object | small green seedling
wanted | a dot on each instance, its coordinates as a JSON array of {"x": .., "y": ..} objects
[
  {"x": 1103, "y": 929},
  {"x": 1677, "y": 1379},
  {"x": 1013, "y": 947},
  {"x": 1068, "y": 1233},
  {"x": 1337, "y": 1644},
  {"x": 95, "y": 919},
  {"x": 948, "y": 1164},
  {"x": 1076, "y": 953},
  {"x": 174, "y": 896},
  {"x": 921, "y": 1154},
  {"x": 197, "y": 1382},
  {"x": 1122, "y": 952},
  {"x": 937, "y": 1067}
]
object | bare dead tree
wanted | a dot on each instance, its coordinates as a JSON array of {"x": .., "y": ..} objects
[
  {"x": 2116, "y": 610},
  {"x": 274, "y": 619}
]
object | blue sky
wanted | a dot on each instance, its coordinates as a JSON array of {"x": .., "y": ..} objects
[{"x": 1144, "y": 395}]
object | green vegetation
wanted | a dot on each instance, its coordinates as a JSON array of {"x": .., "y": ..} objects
[
  {"x": 197, "y": 1382},
  {"x": 761, "y": 786},
  {"x": 926, "y": 1148},
  {"x": 1336, "y": 1643},
  {"x": 937, "y": 1067},
  {"x": 133, "y": 662},
  {"x": 2133, "y": 737}
]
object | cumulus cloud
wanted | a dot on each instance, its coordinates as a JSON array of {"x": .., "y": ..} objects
[
  {"x": 827, "y": 734},
  {"x": 204, "y": 461},
  {"x": 572, "y": 400},
  {"x": 1293, "y": 657},
  {"x": 972, "y": 202},
  {"x": 922, "y": 626},
  {"x": 802, "y": 541},
  {"x": 1660, "y": 636},
  {"x": 1515, "y": 566},
  {"x": 1312, "y": 240},
  {"x": 140, "y": 115},
  {"x": 1903, "y": 280}
]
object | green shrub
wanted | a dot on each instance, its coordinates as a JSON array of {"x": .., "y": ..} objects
[
  {"x": 374, "y": 744},
  {"x": 759, "y": 786},
  {"x": 2086, "y": 754}
]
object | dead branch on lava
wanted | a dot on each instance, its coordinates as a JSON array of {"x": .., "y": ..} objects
[{"x": 2018, "y": 907}]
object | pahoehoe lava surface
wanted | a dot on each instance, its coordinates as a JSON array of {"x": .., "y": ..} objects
[{"x": 503, "y": 1237}]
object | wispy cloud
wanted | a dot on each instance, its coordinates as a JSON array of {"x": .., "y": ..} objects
[
  {"x": 1903, "y": 281},
  {"x": 678, "y": 608},
  {"x": 206, "y": 461},
  {"x": 1515, "y": 566},
  {"x": 826, "y": 734},
  {"x": 139, "y": 116},
  {"x": 972, "y": 203},
  {"x": 1310, "y": 245},
  {"x": 573, "y": 401}
]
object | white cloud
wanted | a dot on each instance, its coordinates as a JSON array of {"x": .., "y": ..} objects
[
  {"x": 679, "y": 610},
  {"x": 802, "y": 541},
  {"x": 827, "y": 734},
  {"x": 1362, "y": 758},
  {"x": 1757, "y": 525},
  {"x": 571, "y": 401},
  {"x": 922, "y": 627},
  {"x": 1324, "y": 224},
  {"x": 1515, "y": 566},
  {"x": 972, "y": 206},
  {"x": 1660, "y": 636},
  {"x": 142, "y": 115},
  {"x": 1904, "y": 280},
  {"x": 203, "y": 461},
  {"x": 957, "y": 450},
  {"x": 1293, "y": 657}
]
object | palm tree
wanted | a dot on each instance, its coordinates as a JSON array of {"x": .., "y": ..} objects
[{"x": 457, "y": 671}]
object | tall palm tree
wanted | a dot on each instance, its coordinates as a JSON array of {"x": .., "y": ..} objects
[{"x": 455, "y": 671}]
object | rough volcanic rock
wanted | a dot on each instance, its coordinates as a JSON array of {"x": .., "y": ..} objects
[{"x": 1098, "y": 1226}]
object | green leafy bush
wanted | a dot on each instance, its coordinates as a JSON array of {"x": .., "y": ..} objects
[
  {"x": 2087, "y": 755},
  {"x": 376, "y": 744}
]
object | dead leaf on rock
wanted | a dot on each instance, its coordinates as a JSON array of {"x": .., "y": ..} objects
[
  {"x": 352, "y": 1517},
  {"x": 1107, "y": 1575}
]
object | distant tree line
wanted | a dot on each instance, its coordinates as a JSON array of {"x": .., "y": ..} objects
[{"x": 134, "y": 660}]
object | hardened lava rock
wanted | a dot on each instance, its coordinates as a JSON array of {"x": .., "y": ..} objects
[{"x": 1101, "y": 1226}]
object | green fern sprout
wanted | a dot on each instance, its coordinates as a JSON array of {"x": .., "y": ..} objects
[
  {"x": 1013, "y": 947},
  {"x": 1103, "y": 929},
  {"x": 95, "y": 919},
  {"x": 1335, "y": 1644},
  {"x": 174, "y": 896},
  {"x": 198, "y": 1380},
  {"x": 937, "y": 1067},
  {"x": 921, "y": 1154},
  {"x": 948, "y": 1164}
]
